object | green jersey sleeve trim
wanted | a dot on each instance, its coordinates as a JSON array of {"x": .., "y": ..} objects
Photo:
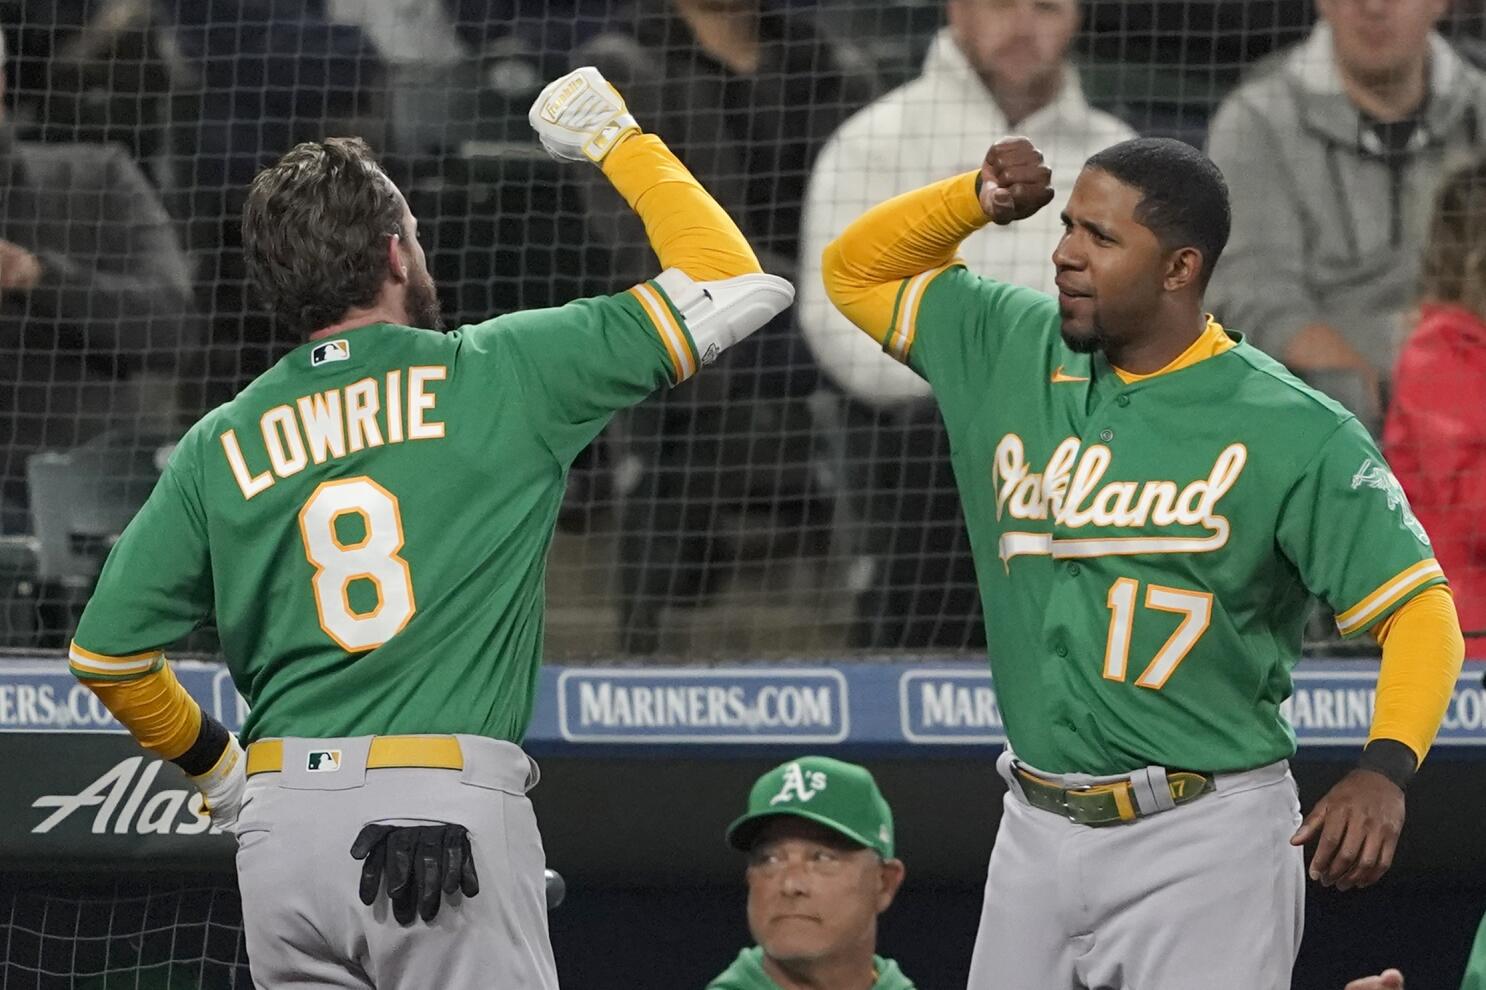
[
  {"x": 1385, "y": 599},
  {"x": 666, "y": 320},
  {"x": 88, "y": 665},
  {"x": 903, "y": 330}
]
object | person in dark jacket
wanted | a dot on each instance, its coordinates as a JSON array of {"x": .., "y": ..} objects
[
  {"x": 746, "y": 93},
  {"x": 1333, "y": 157},
  {"x": 95, "y": 303}
]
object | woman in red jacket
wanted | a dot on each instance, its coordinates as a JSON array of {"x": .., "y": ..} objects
[{"x": 1435, "y": 435}]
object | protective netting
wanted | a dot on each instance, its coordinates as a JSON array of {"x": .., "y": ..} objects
[
  {"x": 128, "y": 934},
  {"x": 795, "y": 500}
]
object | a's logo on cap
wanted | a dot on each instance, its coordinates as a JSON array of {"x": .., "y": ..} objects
[
  {"x": 323, "y": 760},
  {"x": 331, "y": 350},
  {"x": 798, "y": 785}
]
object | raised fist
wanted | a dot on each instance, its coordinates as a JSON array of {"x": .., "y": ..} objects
[
  {"x": 1014, "y": 182},
  {"x": 581, "y": 117}
]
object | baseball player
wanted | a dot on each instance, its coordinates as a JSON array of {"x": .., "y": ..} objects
[
  {"x": 1151, "y": 503},
  {"x": 368, "y": 522},
  {"x": 821, "y": 868}
]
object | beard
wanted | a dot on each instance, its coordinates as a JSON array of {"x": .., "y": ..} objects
[
  {"x": 1087, "y": 343},
  {"x": 423, "y": 303}
]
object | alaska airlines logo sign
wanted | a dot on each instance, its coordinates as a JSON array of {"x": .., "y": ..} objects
[{"x": 1071, "y": 492}]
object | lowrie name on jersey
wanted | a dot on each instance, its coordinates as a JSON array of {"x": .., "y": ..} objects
[{"x": 331, "y": 424}]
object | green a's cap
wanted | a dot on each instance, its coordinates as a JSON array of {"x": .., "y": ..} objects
[{"x": 841, "y": 796}]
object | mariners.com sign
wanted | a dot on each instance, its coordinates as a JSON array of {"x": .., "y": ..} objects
[{"x": 702, "y": 706}]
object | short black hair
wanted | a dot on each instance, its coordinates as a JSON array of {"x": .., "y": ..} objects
[{"x": 1184, "y": 199}]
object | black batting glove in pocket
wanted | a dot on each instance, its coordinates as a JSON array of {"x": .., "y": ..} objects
[{"x": 421, "y": 864}]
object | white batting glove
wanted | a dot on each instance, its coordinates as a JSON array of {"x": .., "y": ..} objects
[
  {"x": 223, "y": 785},
  {"x": 580, "y": 117}
]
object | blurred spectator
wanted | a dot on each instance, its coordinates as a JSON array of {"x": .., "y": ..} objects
[
  {"x": 89, "y": 70},
  {"x": 1333, "y": 158},
  {"x": 1000, "y": 67},
  {"x": 95, "y": 302},
  {"x": 432, "y": 79},
  {"x": 457, "y": 70},
  {"x": 267, "y": 74},
  {"x": 821, "y": 869},
  {"x": 745, "y": 93},
  {"x": 1435, "y": 436}
]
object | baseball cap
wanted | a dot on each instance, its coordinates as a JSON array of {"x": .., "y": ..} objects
[{"x": 841, "y": 796}]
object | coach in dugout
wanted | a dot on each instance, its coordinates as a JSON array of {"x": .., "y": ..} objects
[{"x": 819, "y": 839}]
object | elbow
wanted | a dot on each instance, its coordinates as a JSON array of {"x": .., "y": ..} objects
[{"x": 834, "y": 273}]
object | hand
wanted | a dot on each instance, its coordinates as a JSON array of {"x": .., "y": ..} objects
[
  {"x": 1389, "y": 979},
  {"x": 1359, "y": 821},
  {"x": 422, "y": 863},
  {"x": 1014, "y": 182},
  {"x": 20, "y": 270},
  {"x": 222, "y": 787},
  {"x": 580, "y": 117}
]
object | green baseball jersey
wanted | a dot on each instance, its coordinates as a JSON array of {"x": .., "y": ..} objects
[
  {"x": 747, "y": 973},
  {"x": 369, "y": 520},
  {"x": 1147, "y": 552}
]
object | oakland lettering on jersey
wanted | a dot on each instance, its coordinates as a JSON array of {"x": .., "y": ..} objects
[
  {"x": 332, "y": 424},
  {"x": 1071, "y": 491}
]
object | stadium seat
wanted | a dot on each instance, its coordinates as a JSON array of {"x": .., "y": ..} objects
[{"x": 81, "y": 500}]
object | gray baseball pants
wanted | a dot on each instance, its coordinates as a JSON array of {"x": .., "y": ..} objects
[
  {"x": 1208, "y": 895},
  {"x": 306, "y": 927}
]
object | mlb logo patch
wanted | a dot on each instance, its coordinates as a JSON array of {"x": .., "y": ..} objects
[
  {"x": 323, "y": 760},
  {"x": 331, "y": 350}
]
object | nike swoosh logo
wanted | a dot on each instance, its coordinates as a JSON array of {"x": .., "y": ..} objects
[{"x": 1059, "y": 377}]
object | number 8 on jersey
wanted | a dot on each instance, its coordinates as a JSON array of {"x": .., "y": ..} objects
[{"x": 374, "y": 557}]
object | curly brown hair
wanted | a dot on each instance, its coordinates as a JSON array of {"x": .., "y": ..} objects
[
  {"x": 315, "y": 229},
  {"x": 1455, "y": 254}
]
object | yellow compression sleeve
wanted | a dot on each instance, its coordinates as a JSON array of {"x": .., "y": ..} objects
[
  {"x": 1422, "y": 655},
  {"x": 903, "y": 237},
  {"x": 155, "y": 708},
  {"x": 686, "y": 227}
]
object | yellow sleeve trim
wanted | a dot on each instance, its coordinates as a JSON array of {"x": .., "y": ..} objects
[
  {"x": 678, "y": 347},
  {"x": 155, "y": 708},
  {"x": 1422, "y": 655},
  {"x": 86, "y": 663},
  {"x": 904, "y": 330},
  {"x": 1392, "y": 591},
  {"x": 875, "y": 272}
]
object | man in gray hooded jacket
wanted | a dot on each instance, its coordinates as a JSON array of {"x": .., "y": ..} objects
[{"x": 1333, "y": 158}]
